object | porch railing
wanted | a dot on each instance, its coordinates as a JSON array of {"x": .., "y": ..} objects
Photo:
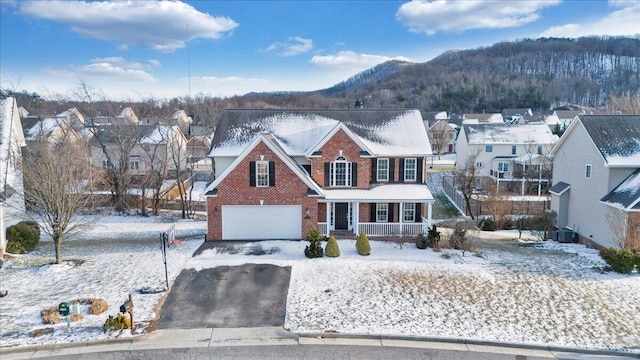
[
  {"x": 322, "y": 227},
  {"x": 393, "y": 229}
]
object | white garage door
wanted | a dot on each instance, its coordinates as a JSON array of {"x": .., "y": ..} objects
[{"x": 255, "y": 222}]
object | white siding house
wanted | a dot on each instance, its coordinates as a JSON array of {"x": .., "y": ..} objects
[
  {"x": 11, "y": 185},
  {"x": 593, "y": 167},
  {"x": 506, "y": 152}
]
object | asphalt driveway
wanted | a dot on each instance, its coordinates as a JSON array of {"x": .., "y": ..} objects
[{"x": 250, "y": 295}]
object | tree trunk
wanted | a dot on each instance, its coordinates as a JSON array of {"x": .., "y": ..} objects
[{"x": 57, "y": 243}]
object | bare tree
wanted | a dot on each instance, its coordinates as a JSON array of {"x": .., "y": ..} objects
[
  {"x": 439, "y": 136},
  {"x": 625, "y": 228},
  {"x": 177, "y": 154},
  {"x": 466, "y": 177},
  {"x": 115, "y": 139},
  {"x": 58, "y": 182},
  {"x": 628, "y": 105},
  {"x": 496, "y": 202}
]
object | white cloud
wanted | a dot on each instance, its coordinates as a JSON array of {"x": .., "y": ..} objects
[
  {"x": 158, "y": 25},
  {"x": 116, "y": 69},
  {"x": 350, "y": 61},
  {"x": 623, "y": 21},
  {"x": 457, "y": 16},
  {"x": 295, "y": 45}
]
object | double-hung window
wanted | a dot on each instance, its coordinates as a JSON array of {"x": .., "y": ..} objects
[
  {"x": 503, "y": 166},
  {"x": 410, "y": 169},
  {"x": 587, "y": 171},
  {"x": 262, "y": 173},
  {"x": 409, "y": 212},
  {"x": 488, "y": 148},
  {"x": 383, "y": 170},
  {"x": 382, "y": 212},
  {"x": 341, "y": 172},
  {"x": 513, "y": 149}
]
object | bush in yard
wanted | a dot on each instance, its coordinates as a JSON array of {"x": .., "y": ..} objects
[
  {"x": 22, "y": 237},
  {"x": 362, "y": 244},
  {"x": 460, "y": 241},
  {"x": 332, "y": 249},
  {"x": 488, "y": 225},
  {"x": 421, "y": 241},
  {"x": 621, "y": 261},
  {"x": 314, "y": 249},
  {"x": 636, "y": 259},
  {"x": 120, "y": 322},
  {"x": 433, "y": 237},
  {"x": 508, "y": 224}
]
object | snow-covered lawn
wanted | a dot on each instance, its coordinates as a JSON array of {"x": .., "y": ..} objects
[{"x": 551, "y": 294}]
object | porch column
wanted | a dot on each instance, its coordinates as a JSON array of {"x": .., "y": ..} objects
[
  {"x": 429, "y": 210},
  {"x": 356, "y": 217},
  {"x": 400, "y": 215},
  {"x": 328, "y": 210}
]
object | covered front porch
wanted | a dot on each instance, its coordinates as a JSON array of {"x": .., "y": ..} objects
[{"x": 384, "y": 210}]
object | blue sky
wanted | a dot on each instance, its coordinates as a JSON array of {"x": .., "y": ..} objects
[{"x": 163, "y": 49}]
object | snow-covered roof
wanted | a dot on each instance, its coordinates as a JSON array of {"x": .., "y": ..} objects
[
  {"x": 159, "y": 134},
  {"x": 383, "y": 131},
  {"x": 269, "y": 140},
  {"x": 383, "y": 193},
  {"x": 626, "y": 195},
  {"x": 617, "y": 137},
  {"x": 509, "y": 134}
]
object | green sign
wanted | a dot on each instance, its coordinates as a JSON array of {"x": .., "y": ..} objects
[{"x": 63, "y": 309}]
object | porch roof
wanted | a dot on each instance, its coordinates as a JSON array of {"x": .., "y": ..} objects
[
  {"x": 382, "y": 193},
  {"x": 529, "y": 159}
]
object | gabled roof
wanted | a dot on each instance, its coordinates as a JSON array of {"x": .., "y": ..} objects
[
  {"x": 298, "y": 131},
  {"x": 329, "y": 135},
  {"x": 626, "y": 196},
  {"x": 272, "y": 144},
  {"x": 509, "y": 134},
  {"x": 616, "y": 137}
]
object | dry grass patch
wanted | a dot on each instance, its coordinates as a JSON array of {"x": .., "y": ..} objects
[{"x": 96, "y": 306}]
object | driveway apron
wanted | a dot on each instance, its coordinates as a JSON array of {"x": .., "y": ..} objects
[{"x": 250, "y": 295}]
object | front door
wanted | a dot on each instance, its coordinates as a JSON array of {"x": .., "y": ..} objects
[{"x": 342, "y": 216}]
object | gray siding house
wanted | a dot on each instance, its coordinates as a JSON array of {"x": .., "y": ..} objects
[{"x": 595, "y": 176}]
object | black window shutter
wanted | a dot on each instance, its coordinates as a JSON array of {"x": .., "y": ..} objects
[
  {"x": 372, "y": 212},
  {"x": 418, "y": 212},
  {"x": 392, "y": 170},
  {"x": 419, "y": 163},
  {"x": 401, "y": 170},
  {"x": 272, "y": 173},
  {"x": 390, "y": 213},
  {"x": 354, "y": 174},
  {"x": 374, "y": 170},
  {"x": 252, "y": 173},
  {"x": 327, "y": 174}
]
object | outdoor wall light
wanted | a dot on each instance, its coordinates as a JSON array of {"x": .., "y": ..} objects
[
  {"x": 306, "y": 214},
  {"x": 215, "y": 211}
]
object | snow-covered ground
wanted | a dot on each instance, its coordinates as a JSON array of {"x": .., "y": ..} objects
[{"x": 550, "y": 294}]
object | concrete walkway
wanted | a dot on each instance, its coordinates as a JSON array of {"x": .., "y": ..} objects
[{"x": 217, "y": 337}]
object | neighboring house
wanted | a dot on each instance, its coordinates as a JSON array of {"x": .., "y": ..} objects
[
  {"x": 517, "y": 116},
  {"x": 179, "y": 118},
  {"x": 150, "y": 147},
  {"x": 126, "y": 117},
  {"x": 512, "y": 155},
  {"x": 597, "y": 178},
  {"x": 488, "y": 118},
  {"x": 12, "y": 208},
  {"x": 442, "y": 137},
  {"x": 198, "y": 148},
  {"x": 66, "y": 125},
  {"x": 280, "y": 173}
]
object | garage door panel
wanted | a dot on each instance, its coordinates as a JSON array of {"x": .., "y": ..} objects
[{"x": 255, "y": 222}]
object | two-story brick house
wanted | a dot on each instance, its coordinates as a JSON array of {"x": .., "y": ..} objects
[{"x": 280, "y": 173}]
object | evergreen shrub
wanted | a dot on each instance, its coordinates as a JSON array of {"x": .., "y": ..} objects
[
  {"x": 620, "y": 260},
  {"x": 22, "y": 237},
  {"x": 332, "y": 249},
  {"x": 314, "y": 249},
  {"x": 362, "y": 244}
]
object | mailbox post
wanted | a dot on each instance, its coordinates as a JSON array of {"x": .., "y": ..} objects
[
  {"x": 63, "y": 310},
  {"x": 127, "y": 307}
]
